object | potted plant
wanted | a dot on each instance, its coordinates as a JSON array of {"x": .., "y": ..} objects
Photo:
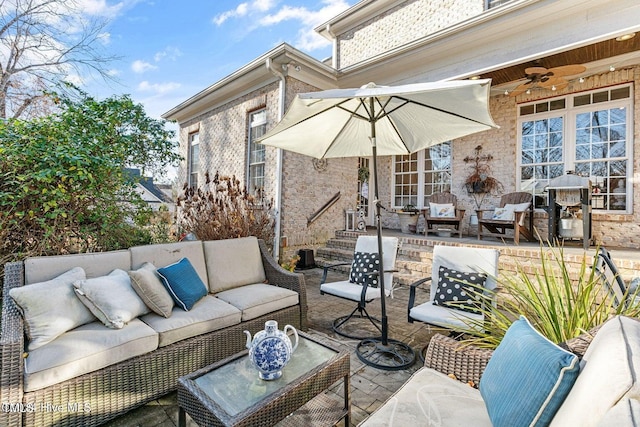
[
  {"x": 560, "y": 300},
  {"x": 363, "y": 174},
  {"x": 408, "y": 217}
]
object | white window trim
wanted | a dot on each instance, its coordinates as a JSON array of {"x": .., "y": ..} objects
[
  {"x": 253, "y": 116},
  {"x": 190, "y": 145},
  {"x": 569, "y": 114},
  {"x": 421, "y": 179}
]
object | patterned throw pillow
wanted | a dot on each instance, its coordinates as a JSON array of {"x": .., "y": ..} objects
[
  {"x": 442, "y": 210},
  {"x": 458, "y": 290},
  {"x": 504, "y": 214},
  {"x": 363, "y": 264}
]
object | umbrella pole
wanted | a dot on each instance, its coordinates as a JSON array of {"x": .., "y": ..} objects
[{"x": 382, "y": 353}]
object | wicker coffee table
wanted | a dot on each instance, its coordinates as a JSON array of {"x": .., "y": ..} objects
[{"x": 229, "y": 393}]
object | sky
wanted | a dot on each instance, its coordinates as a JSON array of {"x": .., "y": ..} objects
[{"x": 170, "y": 50}]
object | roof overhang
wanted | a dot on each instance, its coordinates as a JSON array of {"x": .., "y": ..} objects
[
  {"x": 511, "y": 34},
  {"x": 281, "y": 61}
]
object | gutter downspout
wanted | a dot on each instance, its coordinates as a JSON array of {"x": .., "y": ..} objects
[
  {"x": 334, "y": 48},
  {"x": 278, "y": 190}
]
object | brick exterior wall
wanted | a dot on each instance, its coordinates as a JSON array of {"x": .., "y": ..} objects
[{"x": 404, "y": 23}]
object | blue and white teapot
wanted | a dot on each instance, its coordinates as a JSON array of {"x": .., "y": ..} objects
[{"x": 271, "y": 349}]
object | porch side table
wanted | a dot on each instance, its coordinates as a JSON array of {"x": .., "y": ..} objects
[{"x": 229, "y": 392}]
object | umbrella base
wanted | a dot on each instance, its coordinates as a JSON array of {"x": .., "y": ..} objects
[{"x": 394, "y": 356}]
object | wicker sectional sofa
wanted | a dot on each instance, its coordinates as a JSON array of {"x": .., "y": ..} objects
[
  {"x": 605, "y": 393},
  {"x": 93, "y": 373}
]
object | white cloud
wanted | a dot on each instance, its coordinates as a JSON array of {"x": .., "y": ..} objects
[
  {"x": 159, "y": 88},
  {"x": 171, "y": 53},
  {"x": 138, "y": 66},
  {"x": 244, "y": 9},
  {"x": 102, "y": 8},
  {"x": 306, "y": 39},
  {"x": 105, "y": 38}
]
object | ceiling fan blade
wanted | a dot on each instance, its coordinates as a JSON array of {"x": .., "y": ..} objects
[
  {"x": 552, "y": 81},
  {"x": 535, "y": 70},
  {"x": 519, "y": 89},
  {"x": 568, "y": 70}
]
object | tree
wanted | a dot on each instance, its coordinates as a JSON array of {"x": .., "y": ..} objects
[
  {"x": 43, "y": 43},
  {"x": 63, "y": 184}
]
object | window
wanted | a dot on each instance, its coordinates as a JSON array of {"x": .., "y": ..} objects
[
  {"x": 588, "y": 133},
  {"x": 418, "y": 175},
  {"x": 194, "y": 158},
  {"x": 256, "y": 163}
]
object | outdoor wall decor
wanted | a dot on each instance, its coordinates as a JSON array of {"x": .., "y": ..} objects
[
  {"x": 480, "y": 180},
  {"x": 320, "y": 165}
]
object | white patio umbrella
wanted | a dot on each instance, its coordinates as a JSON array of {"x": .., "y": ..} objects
[{"x": 379, "y": 121}]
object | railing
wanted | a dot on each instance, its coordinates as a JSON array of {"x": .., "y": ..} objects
[{"x": 324, "y": 208}]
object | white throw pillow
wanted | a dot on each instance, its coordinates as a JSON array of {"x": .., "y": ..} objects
[
  {"x": 51, "y": 308},
  {"x": 504, "y": 214},
  {"x": 111, "y": 298},
  {"x": 518, "y": 207},
  {"x": 442, "y": 210}
]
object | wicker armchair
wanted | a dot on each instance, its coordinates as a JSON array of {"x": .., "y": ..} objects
[
  {"x": 519, "y": 224},
  {"x": 432, "y": 222}
]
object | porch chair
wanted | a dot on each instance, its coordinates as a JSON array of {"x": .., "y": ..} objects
[
  {"x": 616, "y": 286},
  {"x": 361, "y": 287},
  {"x": 443, "y": 210},
  {"x": 473, "y": 267},
  {"x": 513, "y": 213}
]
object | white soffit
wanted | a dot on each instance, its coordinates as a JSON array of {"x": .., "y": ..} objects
[
  {"x": 253, "y": 76},
  {"x": 529, "y": 32}
]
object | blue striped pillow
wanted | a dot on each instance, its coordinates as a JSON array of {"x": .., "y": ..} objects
[
  {"x": 183, "y": 283},
  {"x": 527, "y": 378}
]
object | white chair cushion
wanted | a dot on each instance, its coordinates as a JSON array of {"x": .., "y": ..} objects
[
  {"x": 609, "y": 371},
  {"x": 233, "y": 263},
  {"x": 442, "y": 316},
  {"x": 259, "y": 299},
  {"x": 86, "y": 349},
  {"x": 207, "y": 315},
  {"x": 351, "y": 291},
  {"x": 623, "y": 414},
  {"x": 431, "y": 399}
]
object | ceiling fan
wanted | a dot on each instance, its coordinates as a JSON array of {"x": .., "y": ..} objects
[{"x": 547, "y": 77}]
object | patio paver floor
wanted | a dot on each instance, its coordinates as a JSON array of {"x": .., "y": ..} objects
[{"x": 370, "y": 387}]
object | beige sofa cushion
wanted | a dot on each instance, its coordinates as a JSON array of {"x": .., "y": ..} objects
[
  {"x": 86, "y": 349},
  {"x": 233, "y": 262},
  {"x": 610, "y": 367},
  {"x": 207, "y": 315},
  {"x": 168, "y": 253},
  {"x": 259, "y": 299},
  {"x": 51, "y": 308},
  {"x": 431, "y": 399},
  {"x": 39, "y": 269}
]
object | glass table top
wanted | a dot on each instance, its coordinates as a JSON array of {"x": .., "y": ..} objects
[{"x": 236, "y": 386}]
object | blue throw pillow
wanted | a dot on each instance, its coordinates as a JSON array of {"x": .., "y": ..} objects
[
  {"x": 527, "y": 378},
  {"x": 183, "y": 283}
]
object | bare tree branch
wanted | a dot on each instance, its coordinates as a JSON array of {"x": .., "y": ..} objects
[{"x": 44, "y": 43}]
